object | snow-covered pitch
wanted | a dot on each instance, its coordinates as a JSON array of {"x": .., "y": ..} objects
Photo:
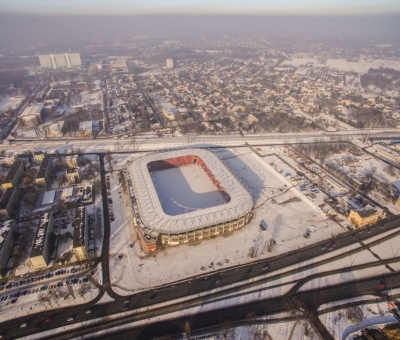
[{"x": 236, "y": 200}]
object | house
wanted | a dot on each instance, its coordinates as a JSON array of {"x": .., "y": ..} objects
[
  {"x": 38, "y": 156},
  {"x": 365, "y": 217},
  {"x": 73, "y": 175},
  {"x": 71, "y": 161}
]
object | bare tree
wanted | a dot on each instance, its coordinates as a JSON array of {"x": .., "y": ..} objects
[{"x": 186, "y": 328}]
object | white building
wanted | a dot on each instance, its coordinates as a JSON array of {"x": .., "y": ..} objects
[
  {"x": 170, "y": 63},
  {"x": 60, "y": 61}
]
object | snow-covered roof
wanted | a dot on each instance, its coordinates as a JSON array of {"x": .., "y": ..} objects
[
  {"x": 152, "y": 213},
  {"x": 35, "y": 109}
]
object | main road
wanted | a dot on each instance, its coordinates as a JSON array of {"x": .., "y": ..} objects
[{"x": 146, "y": 143}]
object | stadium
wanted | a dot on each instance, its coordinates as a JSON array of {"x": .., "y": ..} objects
[{"x": 186, "y": 195}]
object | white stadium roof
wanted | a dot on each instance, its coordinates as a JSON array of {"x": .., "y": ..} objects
[{"x": 152, "y": 213}]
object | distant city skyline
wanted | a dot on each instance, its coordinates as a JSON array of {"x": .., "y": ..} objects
[{"x": 261, "y": 7}]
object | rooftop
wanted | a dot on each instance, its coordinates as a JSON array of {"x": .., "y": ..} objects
[
  {"x": 79, "y": 227},
  {"x": 6, "y": 197},
  {"x": 4, "y": 229},
  {"x": 41, "y": 235},
  {"x": 12, "y": 171},
  {"x": 35, "y": 109}
]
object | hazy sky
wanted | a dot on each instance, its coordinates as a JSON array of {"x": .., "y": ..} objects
[{"x": 269, "y": 7}]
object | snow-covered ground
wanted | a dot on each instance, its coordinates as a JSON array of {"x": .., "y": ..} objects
[
  {"x": 371, "y": 314},
  {"x": 286, "y": 221}
]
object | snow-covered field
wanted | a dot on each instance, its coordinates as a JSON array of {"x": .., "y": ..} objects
[
  {"x": 12, "y": 102},
  {"x": 196, "y": 191}
]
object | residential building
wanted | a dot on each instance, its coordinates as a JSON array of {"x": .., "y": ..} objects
[
  {"x": 43, "y": 175},
  {"x": 31, "y": 116},
  {"x": 60, "y": 61},
  {"x": 366, "y": 216},
  {"x": 7, "y": 230},
  {"x": 14, "y": 175},
  {"x": 71, "y": 161},
  {"x": 73, "y": 175},
  {"x": 8, "y": 203},
  {"x": 81, "y": 237},
  {"x": 40, "y": 253},
  {"x": 8, "y": 160},
  {"x": 170, "y": 63},
  {"x": 38, "y": 156}
]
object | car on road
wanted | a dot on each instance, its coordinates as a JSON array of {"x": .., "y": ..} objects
[
  {"x": 323, "y": 247},
  {"x": 382, "y": 284},
  {"x": 265, "y": 267},
  {"x": 70, "y": 319}
]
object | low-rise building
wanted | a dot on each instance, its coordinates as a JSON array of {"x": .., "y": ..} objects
[
  {"x": 71, "y": 161},
  {"x": 73, "y": 175},
  {"x": 38, "y": 156},
  {"x": 31, "y": 116},
  {"x": 40, "y": 253},
  {"x": 7, "y": 230},
  {"x": 8, "y": 203},
  {"x": 14, "y": 175},
  {"x": 8, "y": 160},
  {"x": 81, "y": 238},
  {"x": 365, "y": 217}
]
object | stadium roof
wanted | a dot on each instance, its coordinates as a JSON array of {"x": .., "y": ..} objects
[{"x": 152, "y": 213}]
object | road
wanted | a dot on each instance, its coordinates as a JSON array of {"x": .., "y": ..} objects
[
  {"x": 154, "y": 143},
  {"x": 189, "y": 287}
]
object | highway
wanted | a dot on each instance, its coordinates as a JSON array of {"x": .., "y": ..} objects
[
  {"x": 144, "y": 143},
  {"x": 189, "y": 287}
]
